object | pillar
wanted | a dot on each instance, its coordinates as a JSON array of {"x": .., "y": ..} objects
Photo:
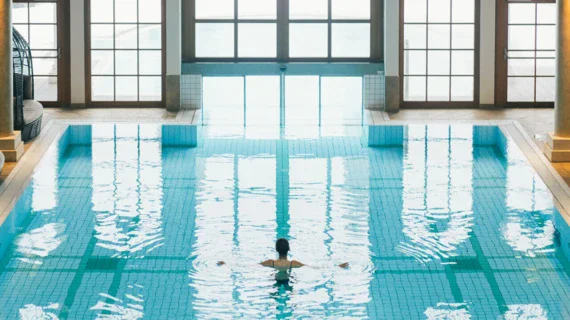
[
  {"x": 557, "y": 147},
  {"x": 77, "y": 49},
  {"x": 173, "y": 54},
  {"x": 487, "y": 54},
  {"x": 11, "y": 144},
  {"x": 6, "y": 81},
  {"x": 392, "y": 54}
]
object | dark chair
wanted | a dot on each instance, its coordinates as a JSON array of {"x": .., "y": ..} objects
[{"x": 28, "y": 113}]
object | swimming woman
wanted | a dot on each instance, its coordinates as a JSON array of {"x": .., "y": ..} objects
[{"x": 283, "y": 264}]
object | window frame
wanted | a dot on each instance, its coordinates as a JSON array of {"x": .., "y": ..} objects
[
  {"x": 88, "y": 74},
  {"x": 282, "y": 21},
  {"x": 502, "y": 61},
  {"x": 476, "y": 64},
  {"x": 62, "y": 52}
]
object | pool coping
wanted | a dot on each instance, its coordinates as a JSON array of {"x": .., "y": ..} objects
[{"x": 20, "y": 177}]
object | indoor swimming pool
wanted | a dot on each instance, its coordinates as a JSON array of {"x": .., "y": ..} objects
[{"x": 437, "y": 222}]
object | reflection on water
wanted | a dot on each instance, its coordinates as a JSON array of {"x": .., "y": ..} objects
[
  {"x": 129, "y": 308},
  {"x": 38, "y": 243},
  {"x": 33, "y": 312},
  {"x": 129, "y": 229},
  {"x": 437, "y": 214},
  {"x": 127, "y": 188},
  {"x": 449, "y": 311}
]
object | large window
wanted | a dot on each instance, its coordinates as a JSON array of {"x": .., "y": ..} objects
[
  {"x": 439, "y": 52},
  {"x": 526, "y": 60},
  {"x": 126, "y": 52},
  {"x": 39, "y": 23},
  {"x": 271, "y": 30}
]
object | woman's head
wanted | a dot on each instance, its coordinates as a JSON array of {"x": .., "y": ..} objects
[{"x": 282, "y": 247}]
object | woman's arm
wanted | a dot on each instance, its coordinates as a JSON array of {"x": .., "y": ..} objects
[
  {"x": 344, "y": 265},
  {"x": 268, "y": 263}
]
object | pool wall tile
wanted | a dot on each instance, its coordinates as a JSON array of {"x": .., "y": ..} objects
[
  {"x": 80, "y": 135},
  {"x": 179, "y": 136},
  {"x": 485, "y": 135},
  {"x": 386, "y": 136}
]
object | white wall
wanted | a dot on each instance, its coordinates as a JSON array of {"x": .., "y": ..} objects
[
  {"x": 487, "y": 52},
  {"x": 77, "y": 50}
]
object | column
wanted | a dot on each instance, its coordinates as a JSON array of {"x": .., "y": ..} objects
[
  {"x": 392, "y": 54},
  {"x": 77, "y": 49},
  {"x": 487, "y": 54},
  {"x": 11, "y": 145},
  {"x": 557, "y": 147},
  {"x": 173, "y": 54}
]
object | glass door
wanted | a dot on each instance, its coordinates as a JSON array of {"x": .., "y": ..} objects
[
  {"x": 125, "y": 53},
  {"x": 42, "y": 24},
  {"x": 526, "y": 54}
]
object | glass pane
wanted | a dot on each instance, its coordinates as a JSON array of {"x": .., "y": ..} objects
[
  {"x": 23, "y": 30},
  {"x": 102, "y": 36},
  {"x": 438, "y": 62},
  {"x": 125, "y": 11},
  {"x": 127, "y": 88},
  {"x": 44, "y": 54},
  {"x": 45, "y": 67},
  {"x": 520, "y": 90},
  {"x": 521, "y": 54},
  {"x": 102, "y": 89},
  {"x": 341, "y": 100},
  {"x": 302, "y": 100},
  {"x": 263, "y": 100},
  {"x": 126, "y": 36},
  {"x": 415, "y": 36},
  {"x": 351, "y": 9},
  {"x": 438, "y": 36},
  {"x": 308, "y": 40},
  {"x": 303, "y": 9},
  {"x": 438, "y": 88},
  {"x": 521, "y": 67},
  {"x": 521, "y": 37},
  {"x": 214, "y": 40},
  {"x": 545, "y": 89},
  {"x": 522, "y": 13},
  {"x": 439, "y": 11},
  {"x": 101, "y": 11},
  {"x": 257, "y": 9},
  {"x": 150, "y": 11},
  {"x": 415, "y": 10},
  {"x": 463, "y": 37},
  {"x": 545, "y": 67},
  {"x": 462, "y": 63},
  {"x": 224, "y": 108},
  {"x": 546, "y": 54},
  {"x": 462, "y": 88},
  {"x": 546, "y": 13},
  {"x": 463, "y": 11},
  {"x": 150, "y": 36},
  {"x": 150, "y": 62},
  {"x": 414, "y": 88},
  {"x": 43, "y": 13},
  {"x": 257, "y": 40},
  {"x": 546, "y": 37},
  {"x": 214, "y": 9},
  {"x": 150, "y": 88},
  {"x": 351, "y": 40},
  {"x": 43, "y": 37},
  {"x": 127, "y": 62},
  {"x": 415, "y": 62},
  {"x": 45, "y": 88},
  {"x": 102, "y": 62},
  {"x": 20, "y": 13}
]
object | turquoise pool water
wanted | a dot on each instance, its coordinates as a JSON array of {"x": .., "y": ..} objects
[{"x": 437, "y": 222}]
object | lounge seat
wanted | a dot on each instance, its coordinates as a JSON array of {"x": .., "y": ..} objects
[{"x": 28, "y": 117}]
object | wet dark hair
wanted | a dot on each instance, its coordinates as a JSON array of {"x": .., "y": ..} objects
[{"x": 282, "y": 247}]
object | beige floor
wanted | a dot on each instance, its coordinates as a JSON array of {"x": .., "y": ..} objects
[{"x": 535, "y": 121}]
